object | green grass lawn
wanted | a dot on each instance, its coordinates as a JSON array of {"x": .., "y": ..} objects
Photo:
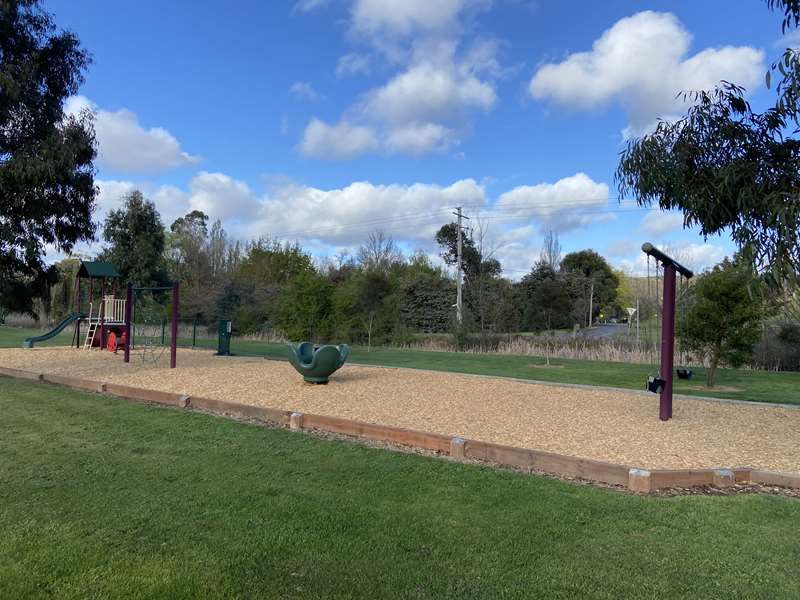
[
  {"x": 759, "y": 386},
  {"x": 11, "y": 337},
  {"x": 100, "y": 498}
]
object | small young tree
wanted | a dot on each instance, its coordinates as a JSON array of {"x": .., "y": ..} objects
[
  {"x": 723, "y": 316},
  {"x": 305, "y": 307},
  {"x": 136, "y": 241},
  {"x": 590, "y": 271}
]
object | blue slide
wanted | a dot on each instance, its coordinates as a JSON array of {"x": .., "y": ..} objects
[{"x": 29, "y": 342}]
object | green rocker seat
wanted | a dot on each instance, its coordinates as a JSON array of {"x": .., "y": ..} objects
[{"x": 317, "y": 363}]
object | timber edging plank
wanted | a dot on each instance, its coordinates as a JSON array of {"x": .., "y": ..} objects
[
  {"x": 635, "y": 479},
  {"x": 75, "y": 382},
  {"x": 135, "y": 393},
  {"x": 384, "y": 433},
  {"x": 549, "y": 462},
  {"x": 20, "y": 374},
  {"x": 263, "y": 413},
  {"x": 788, "y": 480}
]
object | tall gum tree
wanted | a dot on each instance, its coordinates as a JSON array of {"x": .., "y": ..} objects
[{"x": 47, "y": 191}]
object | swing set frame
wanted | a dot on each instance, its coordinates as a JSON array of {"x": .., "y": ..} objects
[
  {"x": 670, "y": 267},
  {"x": 173, "y": 344}
]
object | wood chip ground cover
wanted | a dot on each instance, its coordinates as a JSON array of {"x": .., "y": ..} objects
[{"x": 596, "y": 423}]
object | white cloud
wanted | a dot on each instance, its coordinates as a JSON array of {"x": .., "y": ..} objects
[
  {"x": 344, "y": 216},
  {"x": 110, "y": 195},
  {"x": 658, "y": 223},
  {"x": 170, "y": 201},
  {"x": 641, "y": 62},
  {"x": 326, "y": 219},
  {"x": 310, "y": 5},
  {"x": 127, "y": 147},
  {"x": 790, "y": 40},
  {"x": 621, "y": 248},
  {"x": 398, "y": 18},
  {"x": 567, "y": 204},
  {"x": 424, "y": 108},
  {"x": 416, "y": 139},
  {"x": 352, "y": 63},
  {"x": 222, "y": 197},
  {"x": 342, "y": 141},
  {"x": 302, "y": 90},
  {"x": 694, "y": 256},
  {"x": 430, "y": 92},
  {"x": 441, "y": 80}
]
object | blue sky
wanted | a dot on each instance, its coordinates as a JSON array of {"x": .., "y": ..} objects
[{"x": 321, "y": 120}]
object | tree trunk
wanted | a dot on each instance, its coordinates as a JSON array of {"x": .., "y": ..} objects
[
  {"x": 712, "y": 369},
  {"x": 591, "y": 301}
]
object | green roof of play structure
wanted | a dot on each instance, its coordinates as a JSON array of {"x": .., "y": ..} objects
[{"x": 98, "y": 269}]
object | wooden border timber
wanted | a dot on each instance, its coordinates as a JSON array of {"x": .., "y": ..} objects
[
  {"x": 75, "y": 382},
  {"x": 632, "y": 478},
  {"x": 262, "y": 413},
  {"x": 548, "y": 462},
  {"x": 383, "y": 433},
  {"x": 788, "y": 480},
  {"x": 20, "y": 374}
]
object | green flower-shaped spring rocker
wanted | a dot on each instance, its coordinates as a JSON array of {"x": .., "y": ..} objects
[{"x": 317, "y": 363}]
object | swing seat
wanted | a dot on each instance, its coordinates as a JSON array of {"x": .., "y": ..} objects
[
  {"x": 654, "y": 384},
  {"x": 684, "y": 373}
]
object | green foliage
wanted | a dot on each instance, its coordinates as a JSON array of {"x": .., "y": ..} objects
[
  {"x": 305, "y": 308},
  {"x": 59, "y": 300},
  {"x": 729, "y": 168},
  {"x": 47, "y": 191},
  {"x": 724, "y": 315},
  {"x": 480, "y": 271},
  {"x": 136, "y": 241},
  {"x": 426, "y": 301},
  {"x": 272, "y": 263},
  {"x": 250, "y": 292},
  {"x": 592, "y": 283}
]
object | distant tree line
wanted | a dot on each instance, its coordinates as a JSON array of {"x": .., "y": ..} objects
[
  {"x": 375, "y": 295},
  {"x": 378, "y": 295}
]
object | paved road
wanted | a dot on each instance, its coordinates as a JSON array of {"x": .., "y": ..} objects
[
  {"x": 606, "y": 330},
  {"x": 602, "y": 331}
]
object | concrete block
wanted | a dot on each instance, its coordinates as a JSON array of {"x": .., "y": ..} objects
[
  {"x": 457, "y": 445},
  {"x": 639, "y": 481},
  {"x": 296, "y": 420},
  {"x": 724, "y": 478}
]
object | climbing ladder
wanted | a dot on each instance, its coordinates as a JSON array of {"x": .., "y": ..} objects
[{"x": 90, "y": 331}]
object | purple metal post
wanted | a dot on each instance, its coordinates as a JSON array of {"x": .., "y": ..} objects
[
  {"x": 77, "y": 304},
  {"x": 667, "y": 343},
  {"x": 128, "y": 311},
  {"x": 173, "y": 350}
]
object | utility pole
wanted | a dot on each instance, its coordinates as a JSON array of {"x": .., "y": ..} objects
[{"x": 459, "y": 313}]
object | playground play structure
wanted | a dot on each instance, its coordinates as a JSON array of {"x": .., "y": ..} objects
[
  {"x": 109, "y": 324},
  {"x": 662, "y": 383},
  {"x": 108, "y": 319}
]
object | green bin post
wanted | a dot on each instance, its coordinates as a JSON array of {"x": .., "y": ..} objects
[{"x": 224, "y": 338}]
